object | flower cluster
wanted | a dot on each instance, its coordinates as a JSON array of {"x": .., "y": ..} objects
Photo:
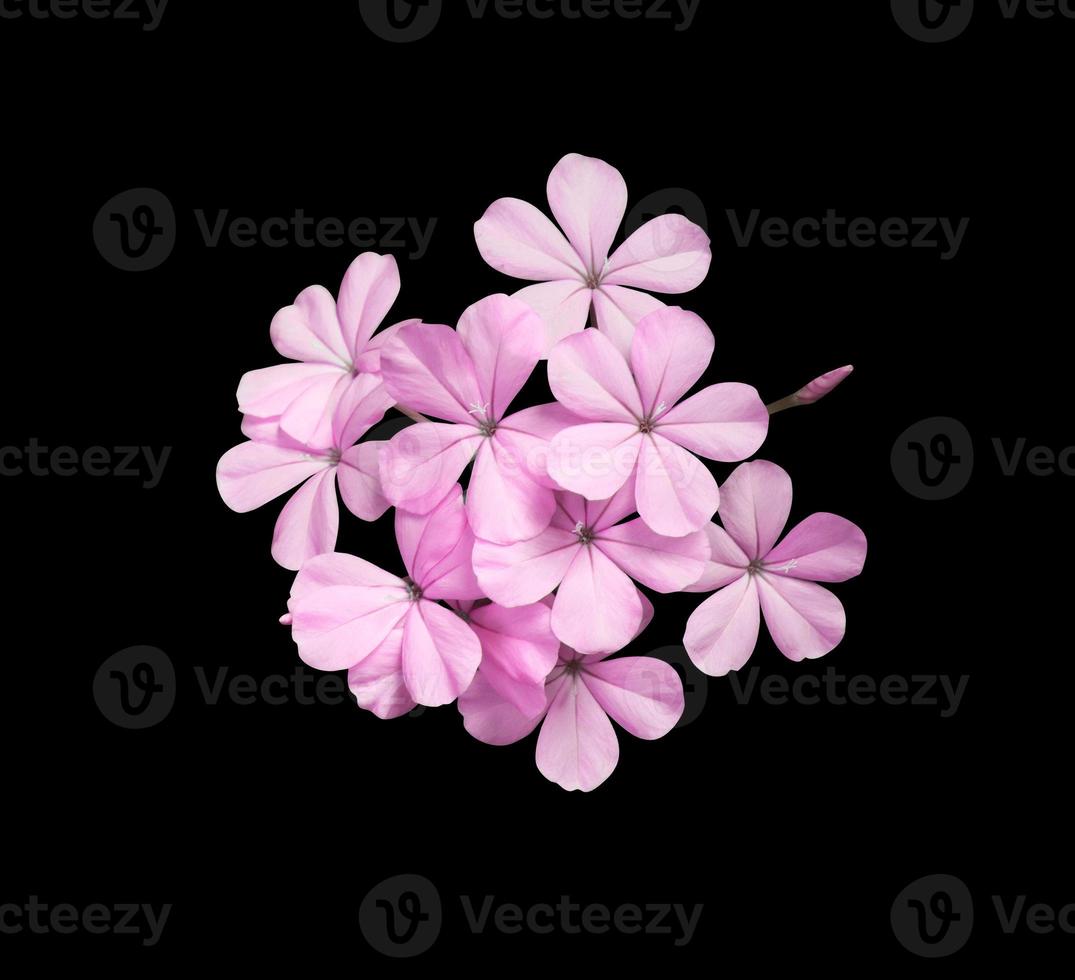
[{"x": 514, "y": 596}]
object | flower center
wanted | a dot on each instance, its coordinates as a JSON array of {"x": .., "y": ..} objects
[
  {"x": 486, "y": 425},
  {"x": 414, "y": 591},
  {"x": 586, "y": 534},
  {"x": 649, "y": 423},
  {"x": 755, "y": 567}
]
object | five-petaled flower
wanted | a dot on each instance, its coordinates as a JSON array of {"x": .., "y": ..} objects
[
  {"x": 755, "y": 575},
  {"x": 668, "y": 254}
]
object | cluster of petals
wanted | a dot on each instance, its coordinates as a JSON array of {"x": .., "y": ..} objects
[{"x": 514, "y": 596}]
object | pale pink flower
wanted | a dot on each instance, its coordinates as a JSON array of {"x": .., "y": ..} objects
[
  {"x": 334, "y": 344},
  {"x": 518, "y": 648},
  {"x": 347, "y": 613},
  {"x": 753, "y": 577},
  {"x": 589, "y": 198},
  {"x": 636, "y": 429},
  {"x": 469, "y": 377},
  {"x": 591, "y": 558},
  {"x": 577, "y": 747},
  {"x": 255, "y": 472}
]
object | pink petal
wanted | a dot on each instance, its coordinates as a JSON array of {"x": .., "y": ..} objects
[
  {"x": 370, "y": 287},
  {"x": 675, "y": 491},
  {"x": 517, "y": 239},
  {"x": 422, "y": 463},
  {"x": 369, "y": 361},
  {"x": 526, "y": 436},
  {"x": 504, "y": 504},
  {"x": 334, "y": 569},
  {"x": 490, "y": 717},
  {"x": 598, "y": 515},
  {"x": 440, "y": 654},
  {"x": 361, "y": 405},
  {"x": 823, "y": 548},
  {"x": 269, "y": 392},
  {"x": 309, "y": 330},
  {"x": 723, "y": 631},
  {"x": 519, "y": 652},
  {"x": 563, "y": 306},
  {"x": 671, "y": 351},
  {"x": 338, "y": 625},
  {"x": 254, "y": 473},
  {"x": 427, "y": 369},
  {"x": 597, "y": 609},
  {"x": 377, "y": 683},
  {"x": 660, "y": 563},
  {"x": 726, "y": 422},
  {"x": 727, "y": 562},
  {"x": 577, "y": 747},
  {"x": 595, "y": 460},
  {"x": 754, "y": 506},
  {"x": 591, "y": 378},
  {"x": 589, "y": 199},
  {"x": 359, "y": 477},
  {"x": 641, "y": 694},
  {"x": 806, "y": 621},
  {"x": 308, "y": 419},
  {"x": 520, "y": 574},
  {"x": 505, "y": 340},
  {"x": 618, "y": 312},
  {"x": 666, "y": 255},
  {"x": 309, "y": 522},
  {"x": 425, "y": 539}
]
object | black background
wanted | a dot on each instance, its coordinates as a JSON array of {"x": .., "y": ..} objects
[{"x": 796, "y": 826}]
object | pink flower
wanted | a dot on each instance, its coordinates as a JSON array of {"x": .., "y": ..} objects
[
  {"x": 347, "y": 614},
  {"x": 518, "y": 653},
  {"x": 332, "y": 341},
  {"x": 577, "y": 747},
  {"x": 588, "y": 198},
  {"x": 470, "y": 377},
  {"x": 754, "y": 577},
  {"x": 591, "y": 558},
  {"x": 273, "y": 463},
  {"x": 636, "y": 430}
]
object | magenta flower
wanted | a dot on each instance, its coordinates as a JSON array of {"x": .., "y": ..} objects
[
  {"x": 345, "y": 611},
  {"x": 272, "y": 463},
  {"x": 589, "y": 198},
  {"x": 577, "y": 747},
  {"x": 334, "y": 344},
  {"x": 470, "y": 377},
  {"x": 591, "y": 558},
  {"x": 636, "y": 428},
  {"x": 753, "y": 577},
  {"x": 518, "y": 653}
]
